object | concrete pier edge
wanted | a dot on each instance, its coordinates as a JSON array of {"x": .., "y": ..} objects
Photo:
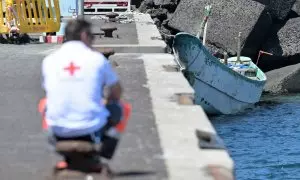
[{"x": 176, "y": 125}]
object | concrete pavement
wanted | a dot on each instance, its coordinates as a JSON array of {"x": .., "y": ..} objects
[
  {"x": 139, "y": 36},
  {"x": 140, "y": 151},
  {"x": 24, "y": 153},
  {"x": 23, "y": 148},
  {"x": 176, "y": 123},
  {"x": 160, "y": 142}
]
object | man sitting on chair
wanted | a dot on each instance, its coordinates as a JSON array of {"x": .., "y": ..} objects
[{"x": 74, "y": 78}]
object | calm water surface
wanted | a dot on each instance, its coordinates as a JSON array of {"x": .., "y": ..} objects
[{"x": 264, "y": 142}]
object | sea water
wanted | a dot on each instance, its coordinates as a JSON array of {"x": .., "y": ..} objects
[{"x": 264, "y": 142}]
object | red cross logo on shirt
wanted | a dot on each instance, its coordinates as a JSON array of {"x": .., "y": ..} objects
[{"x": 71, "y": 68}]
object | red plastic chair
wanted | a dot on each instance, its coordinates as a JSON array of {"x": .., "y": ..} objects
[{"x": 120, "y": 127}]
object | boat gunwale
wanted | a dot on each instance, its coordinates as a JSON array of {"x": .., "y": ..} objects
[{"x": 214, "y": 59}]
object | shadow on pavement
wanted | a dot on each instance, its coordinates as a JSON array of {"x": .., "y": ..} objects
[{"x": 133, "y": 173}]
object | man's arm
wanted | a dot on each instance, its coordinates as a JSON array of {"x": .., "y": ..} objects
[
  {"x": 113, "y": 83},
  {"x": 43, "y": 68},
  {"x": 115, "y": 92}
]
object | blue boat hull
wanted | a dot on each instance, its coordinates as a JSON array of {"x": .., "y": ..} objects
[{"x": 218, "y": 88}]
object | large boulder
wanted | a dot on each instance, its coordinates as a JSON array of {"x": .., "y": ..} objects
[
  {"x": 159, "y": 13},
  {"x": 296, "y": 7},
  {"x": 162, "y": 2},
  {"x": 265, "y": 2},
  {"x": 168, "y": 4},
  {"x": 279, "y": 9},
  {"x": 137, "y": 3},
  {"x": 145, "y": 5},
  {"x": 229, "y": 17},
  {"x": 284, "y": 44},
  {"x": 283, "y": 80}
]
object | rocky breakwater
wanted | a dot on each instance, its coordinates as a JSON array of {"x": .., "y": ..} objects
[
  {"x": 161, "y": 11},
  {"x": 272, "y": 26},
  {"x": 286, "y": 79}
]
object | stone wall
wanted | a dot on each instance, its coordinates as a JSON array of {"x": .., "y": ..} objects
[
  {"x": 269, "y": 25},
  {"x": 279, "y": 9},
  {"x": 284, "y": 43},
  {"x": 229, "y": 17},
  {"x": 284, "y": 80}
]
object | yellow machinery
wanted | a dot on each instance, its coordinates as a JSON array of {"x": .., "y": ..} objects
[{"x": 29, "y": 16}]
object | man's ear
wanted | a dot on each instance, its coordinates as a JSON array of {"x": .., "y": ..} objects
[{"x": 84, "y": 36}]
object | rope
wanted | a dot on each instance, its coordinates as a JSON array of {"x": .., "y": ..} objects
[
  {"x": 260, "y": 53},
  {"x": 177, "y": 60},
  {"x": 165, "y": 34}
]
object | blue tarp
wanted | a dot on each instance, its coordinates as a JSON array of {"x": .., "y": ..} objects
[{"x": 240, "y": 66}]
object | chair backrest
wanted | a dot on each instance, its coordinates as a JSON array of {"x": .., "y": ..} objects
[{"x": 127, "y": 108}]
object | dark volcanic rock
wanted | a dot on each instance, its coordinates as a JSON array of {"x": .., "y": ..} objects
[
  {"x": 157, "y": 22},
  {"x": 137, "y": 3},
  {"x": 265, "y": 2},
  {"x": 279, "y": 9},
  {"x": 283, "y": 80},
  {"x": 296, "y": 7},
  {"x": 270, "y": 62},
  {"x": 162, "y": 2},
  {"x": 169, "y": 16},
  {"x": 168, "y": 4},
  {"x": 286, "y": 42},
  {"x": 145, "y": 5},
  {"x": 168, "y": 38},
  {"x": 214, "y": 50},
  {"x": 229, "y": 17},
  {"x": 160, "y": 13}
]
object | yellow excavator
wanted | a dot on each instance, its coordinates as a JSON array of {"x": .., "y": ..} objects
[{"x": 29, "y": 16}]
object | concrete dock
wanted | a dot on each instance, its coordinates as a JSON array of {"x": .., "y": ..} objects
[
  {"x": 137, "y": 34},
  {"x": 160, "y": 141}
]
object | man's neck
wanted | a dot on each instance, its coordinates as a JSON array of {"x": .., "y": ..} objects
[{"x": 76, "y": 43}]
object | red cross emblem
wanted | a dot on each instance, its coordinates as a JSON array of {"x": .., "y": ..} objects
[{"x": 71, "y": 68}]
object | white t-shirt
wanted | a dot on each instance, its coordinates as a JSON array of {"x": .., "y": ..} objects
[{"x": 73, "y": 78}]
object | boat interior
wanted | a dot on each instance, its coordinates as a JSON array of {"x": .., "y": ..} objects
[{"x": 244, "y": 66}]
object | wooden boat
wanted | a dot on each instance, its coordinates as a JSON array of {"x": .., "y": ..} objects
[{"x": 221, "y": 86}]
